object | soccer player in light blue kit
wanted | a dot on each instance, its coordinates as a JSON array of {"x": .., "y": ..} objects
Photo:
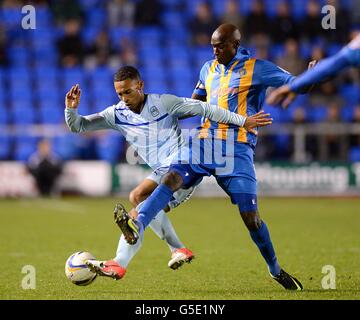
[
  {"x": 347, "y": 57},
  {"x": 235, "y": 82},
  {"x": 150, "y": 124}
]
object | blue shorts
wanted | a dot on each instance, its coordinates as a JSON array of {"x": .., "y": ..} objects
[{"x": 238, "y": 180}]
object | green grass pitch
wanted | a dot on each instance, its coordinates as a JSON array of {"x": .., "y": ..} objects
[{"x": 307, "y": 234}]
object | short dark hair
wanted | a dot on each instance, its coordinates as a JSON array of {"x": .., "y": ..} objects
[{"x": 127, "y": 72}]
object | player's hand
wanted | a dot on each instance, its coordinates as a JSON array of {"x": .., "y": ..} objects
[
  {"x": 259, "y": 119},
  {"x": 282, "y": 95},
  {"x": 72, "y": 98},
  {"x": 312, "y": 64}
]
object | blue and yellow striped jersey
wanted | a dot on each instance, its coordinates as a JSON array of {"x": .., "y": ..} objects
[{"x": 238, "y": 87}]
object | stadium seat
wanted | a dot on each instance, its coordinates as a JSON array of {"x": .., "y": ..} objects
[
  {"x": 4, "y": 114},
  {"x": 105, "y": 147},
  {"x": 350, "y": 93},
  {"x": 5, "y": 146},
  {"x": 25, "y": 146},
  {"x": 19, "y": 56},
  {"x": 96, "y": 18},
  {"x": 117, "y": 34},
  {"x": 23, "y": 115},
  {"x": 172, "y": 20},
  {"x": 11, "y": 17},
  {"x": 65, "y": 146},
  {"x": 354, "y": 154},
  {"x": 317, "y": 113},
  {"x": 51, "y": 114},
  {"x": 347, "y": 113}
]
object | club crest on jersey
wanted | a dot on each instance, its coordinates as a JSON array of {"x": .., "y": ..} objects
[
  {"x": 242, "y": 72},
  {"x": 154, "y": 111}
]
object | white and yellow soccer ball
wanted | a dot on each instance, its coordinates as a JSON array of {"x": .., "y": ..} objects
[{"x": 77, "y": 271}]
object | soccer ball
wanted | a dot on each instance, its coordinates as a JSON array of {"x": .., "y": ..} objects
[{"x": 77, "y": 271}]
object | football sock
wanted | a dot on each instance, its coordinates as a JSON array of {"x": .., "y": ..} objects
[
  {"x": 164, "y": 229},
  {"x": 262, "y": 239},
  {"x": 155, "y": 203},
  {"x": 125, "y": 252}
]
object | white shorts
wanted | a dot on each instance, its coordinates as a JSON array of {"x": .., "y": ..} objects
[{"x": 180, "y": 196}]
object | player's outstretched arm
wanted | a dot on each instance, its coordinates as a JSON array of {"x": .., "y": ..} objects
[{"x": 77, "y": 123}]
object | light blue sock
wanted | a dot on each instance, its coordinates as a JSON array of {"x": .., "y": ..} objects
[
  {"x": 125, "y": 252},
  {"x": 164, "y": 229},
  {"x": 261, "y": 237}
]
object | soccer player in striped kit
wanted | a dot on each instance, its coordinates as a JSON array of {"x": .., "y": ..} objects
[{"x": 235, "y": 82}]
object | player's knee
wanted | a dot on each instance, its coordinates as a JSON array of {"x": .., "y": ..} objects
[
  {"x": 135, "y": 197},
  {"x": 172, "y": 180},
  {"x": 251, "y": 220}
]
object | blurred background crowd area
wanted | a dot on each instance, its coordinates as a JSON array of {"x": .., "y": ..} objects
[{"x": 86, "y": 41}]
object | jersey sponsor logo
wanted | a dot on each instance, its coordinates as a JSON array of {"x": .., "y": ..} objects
[{"x": 154, "y": 111}]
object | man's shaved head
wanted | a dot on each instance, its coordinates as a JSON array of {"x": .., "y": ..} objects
[
  {"x": 225, "y": 41},
  {"x": 227, "y": 32}
]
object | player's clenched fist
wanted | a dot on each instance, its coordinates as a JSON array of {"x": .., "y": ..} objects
[{"x": 72, "y": 98}]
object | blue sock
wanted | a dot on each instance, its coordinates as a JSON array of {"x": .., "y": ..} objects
[
  {"x": 262, "y": 239},
  {"x": 154, "y": 204}
]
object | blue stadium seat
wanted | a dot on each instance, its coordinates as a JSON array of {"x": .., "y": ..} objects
[
  {"x": 21, "y": 96},
  {"x": 43, "y": 37},
  {"x": 89, "y": 5},
  {"x": 298, "y": 9},
  {"x": 347, "y": 113},
  {"x": 96, "y": 17},
  {"x": 354, "y": 154},
  {"x": 245, "y": 7},
  {"x": 110, "y": 147},
  {"x": 65, "y": 146},
  {"x": 43, "y": 17},
  {"x": 350, "y": 93},
  {"x": 17, "y": 75},
  {"x": 25, "y": 146},
  {"x": 333, "y": 49},
  {"x": 317, "y": 113},
  {"x": 51, "y": 114},
  {"x": 101, "y": 75},
  {"x": 172, "y": 20},
  {"x": 11, "y": 17},
  {"x": 46, "y": 75},
  {"x": 184, "y": 90},
  {"x": 119, "y": 33},
  {"x": 23, "y": 115},
  {"x": 5, "y": 146},
  {"x": 4, "y": 114},
  {"x": 19, "y": 56},
  {"x": 74, "y": 75},
  {"x": 157, "y": 87}
]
